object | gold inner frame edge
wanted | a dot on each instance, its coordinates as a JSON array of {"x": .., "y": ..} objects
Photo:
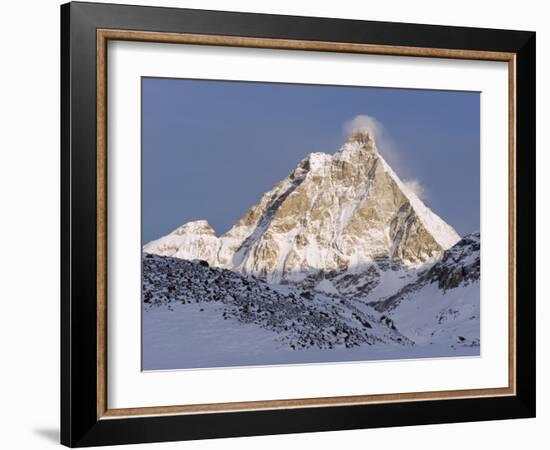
[{"x": 103, "y": 36}]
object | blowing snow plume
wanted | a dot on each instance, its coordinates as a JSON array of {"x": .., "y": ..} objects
[{"x": 364, "y": 123}]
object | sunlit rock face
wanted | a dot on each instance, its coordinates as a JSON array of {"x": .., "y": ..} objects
[{"x": 333, "y": 214}]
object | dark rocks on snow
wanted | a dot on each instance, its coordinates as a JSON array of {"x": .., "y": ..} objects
[{"x": 294, "y": 314}]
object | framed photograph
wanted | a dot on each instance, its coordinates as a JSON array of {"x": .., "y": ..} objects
[{"x": 276, "y": 224}]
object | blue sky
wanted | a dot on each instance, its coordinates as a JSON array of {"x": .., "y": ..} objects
[{"x": 210, "y": 149}]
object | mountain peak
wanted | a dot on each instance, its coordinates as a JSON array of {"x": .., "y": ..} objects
[
  {"x": 333, "y": 212},
  {"x": 199, "y": 227},
  {"x": 361, "y": 136},
  {"x": 358, "y": 148}
]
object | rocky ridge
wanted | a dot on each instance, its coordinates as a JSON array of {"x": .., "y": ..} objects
[
  {"x": 299, "y": 317},
  {"x": 459, "y": 266},
  {"x": 443, "y": 302}
]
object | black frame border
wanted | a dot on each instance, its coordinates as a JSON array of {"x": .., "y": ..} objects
[{"x": 79, "y": 424}]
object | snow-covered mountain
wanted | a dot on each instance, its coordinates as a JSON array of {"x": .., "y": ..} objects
[
  {"x": 340, "y": 260},
  {"x": 333, "y": 214}
]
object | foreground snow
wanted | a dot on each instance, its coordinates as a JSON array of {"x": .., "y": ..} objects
[{"x": 197, "y": 336}]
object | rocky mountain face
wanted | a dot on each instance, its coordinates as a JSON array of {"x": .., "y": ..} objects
[{"x": 332, "y": 220}]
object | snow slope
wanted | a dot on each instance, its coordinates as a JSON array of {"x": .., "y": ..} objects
[
  {"x": 194, "y": 336},
  {"x": 443, "y": 303},
  {"x": 195, "y": 315}
]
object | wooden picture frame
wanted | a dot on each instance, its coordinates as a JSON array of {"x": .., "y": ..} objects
[{"x": 86, "y": 418}]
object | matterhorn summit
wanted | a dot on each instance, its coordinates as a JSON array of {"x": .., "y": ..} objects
[{"x": 333, "y": 214}]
